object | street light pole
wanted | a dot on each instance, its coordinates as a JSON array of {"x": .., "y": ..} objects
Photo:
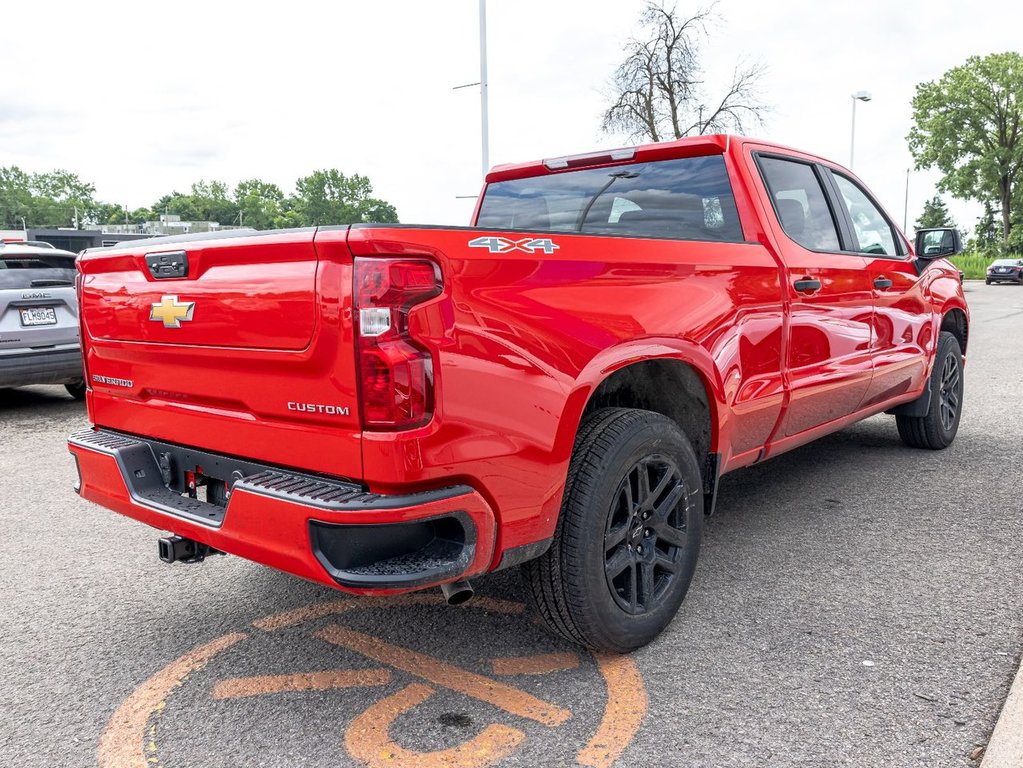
[
  {"x": 905, "y": 207},
  {"x": 484, "y": 106},
  {"x": 858, "y": 96}
]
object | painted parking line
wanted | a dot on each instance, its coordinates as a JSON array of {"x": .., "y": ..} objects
[
  {"x": 119, "y": 746},
  {"x": 543, "y": 664},
  {"x": 368, "y": 739},
  {"x": 442, "y": 674},
  {"x": 243, "y": 687}
]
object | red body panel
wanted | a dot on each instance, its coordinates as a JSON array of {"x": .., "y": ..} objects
[{"x": 518, "y": 341}]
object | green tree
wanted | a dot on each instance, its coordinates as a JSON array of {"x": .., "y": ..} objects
[
  {"x": 142, "y": 215},
  {"x": 55, "y": 199},
  {"x": 935, "y": 214},
  {"x": 969, "y": 125},
  {"x": 260, "y": 204},
  {"x": 987, "y": 233},
  {"x": 206, "y": 201},
  {"x": 330, "y": 197},
  {"x": 15, "y": 197},
  {"x": 106, "y": 213},
  {"x": 61, "y": 199}
]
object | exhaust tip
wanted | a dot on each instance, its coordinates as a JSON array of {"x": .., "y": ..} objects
[{"x": 457, "y": 592}]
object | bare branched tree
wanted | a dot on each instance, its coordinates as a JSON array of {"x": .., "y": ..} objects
[{"x": 657, "y": 92}]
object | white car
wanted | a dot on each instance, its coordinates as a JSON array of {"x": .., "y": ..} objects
[{"x": 39, "y": 336}]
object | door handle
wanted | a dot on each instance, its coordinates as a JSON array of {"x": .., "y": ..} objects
[
  {"x": 807, "y": 285},
  {"x": 882, "y": 283}
]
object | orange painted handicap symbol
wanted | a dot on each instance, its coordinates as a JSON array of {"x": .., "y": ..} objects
[{"x": 129, "y": 740}]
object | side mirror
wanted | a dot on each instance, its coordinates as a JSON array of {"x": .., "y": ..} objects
[{"x": 938, "y": 243}]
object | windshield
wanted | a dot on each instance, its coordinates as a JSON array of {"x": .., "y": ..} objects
[
  {"x": 1007, "y": 263},
  {"x": 685, "y": 199}
]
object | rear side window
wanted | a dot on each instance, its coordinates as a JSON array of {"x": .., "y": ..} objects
[
  {"x": 800, "y": 203},
  {"x": 684, "y": 199}
]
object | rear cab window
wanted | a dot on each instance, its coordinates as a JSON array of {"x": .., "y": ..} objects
[
  {"x": 800, "y": 203},
  {"x": 682, "y": 199}
]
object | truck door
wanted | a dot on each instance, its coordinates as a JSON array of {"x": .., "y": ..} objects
[
  {"x": 828, "y": 357},
  {"x": 902, "y": 313}
]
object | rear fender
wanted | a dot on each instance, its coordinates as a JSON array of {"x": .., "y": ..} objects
[{"x": 619, "y": 357}]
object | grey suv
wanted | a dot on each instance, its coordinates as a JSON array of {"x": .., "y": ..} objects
[{"x": 39, "y": 318}]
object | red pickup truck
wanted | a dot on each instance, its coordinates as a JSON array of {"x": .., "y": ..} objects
[{"x": 560, "y": 386}]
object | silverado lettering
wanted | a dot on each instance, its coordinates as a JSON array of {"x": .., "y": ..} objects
[{"x": 559, "y": 386}]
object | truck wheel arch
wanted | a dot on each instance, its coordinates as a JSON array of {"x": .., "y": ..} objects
[
  {"x": 682, "y": 387},
  {"x": 954, "y": 321}
]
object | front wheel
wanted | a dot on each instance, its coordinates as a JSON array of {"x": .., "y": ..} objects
[
  {"x": 628, "y": 535},
  {"x": 938, "y": 428}
]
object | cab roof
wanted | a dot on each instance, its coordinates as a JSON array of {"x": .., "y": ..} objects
[{"x": 690, "y": 146}]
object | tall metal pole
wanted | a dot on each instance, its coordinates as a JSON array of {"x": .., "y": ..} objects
[
  {"x": 858, "y": 96},
  {"x": 852, "y": 135},
  {"x": 905, "y": 208},
  {"x": 484, "y": 108}
]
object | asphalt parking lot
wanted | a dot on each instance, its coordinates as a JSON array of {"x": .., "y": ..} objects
[{"x": 856, "y": 603}]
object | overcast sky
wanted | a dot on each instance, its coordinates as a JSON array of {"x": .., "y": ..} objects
[{"x": 145, "y": 98}]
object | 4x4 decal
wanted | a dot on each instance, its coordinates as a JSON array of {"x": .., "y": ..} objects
[{"x": 496, "y": 244}]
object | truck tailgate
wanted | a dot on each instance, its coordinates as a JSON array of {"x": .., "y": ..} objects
[{"x": 248, "y": 352}]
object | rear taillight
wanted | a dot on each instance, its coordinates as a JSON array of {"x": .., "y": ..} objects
[{"x": 396, "y": 374}]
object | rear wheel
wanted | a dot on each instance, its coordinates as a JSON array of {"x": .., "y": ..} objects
[
  {"x": 938, "y": 428},
  {"x": 628, "y": 535},
  {"x": 76, "y": 390}
]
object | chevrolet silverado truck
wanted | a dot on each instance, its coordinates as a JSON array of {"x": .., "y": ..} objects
[{"x": 560, "y": 386}]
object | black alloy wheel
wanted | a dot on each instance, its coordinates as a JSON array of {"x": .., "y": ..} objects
[
  {"x": 628, "y": 535},
  {"x": 950, "y": 393},
  {"x": 645, "y": 534},
  {"x": 938, "y": 428}
]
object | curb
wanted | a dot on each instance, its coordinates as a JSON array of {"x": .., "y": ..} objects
[{"x": 1005, "y": 748}]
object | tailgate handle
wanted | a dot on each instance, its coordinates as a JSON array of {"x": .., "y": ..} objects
[{"x": 167, "y": 264}]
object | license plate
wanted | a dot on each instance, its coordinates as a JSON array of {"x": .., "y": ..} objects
[{"x": 38, "y": 316}]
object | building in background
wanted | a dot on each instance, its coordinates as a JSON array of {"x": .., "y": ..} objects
[
  {"x": 75, "y": 240},
  {"x": 68, "y": 239},
  {"x": 169, "y": 224}
]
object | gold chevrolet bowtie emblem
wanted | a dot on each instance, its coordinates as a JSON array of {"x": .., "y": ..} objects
[{"x": 170, "y": 312}]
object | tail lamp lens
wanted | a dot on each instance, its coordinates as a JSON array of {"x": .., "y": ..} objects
[{"x": 396, "y": 373}]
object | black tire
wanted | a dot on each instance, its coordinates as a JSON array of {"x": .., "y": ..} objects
[
  {"x": 76, "y": 390},
  {"x": 987, "y": 282},
  {"x": 938, "y": 428},
  {"x": 607, "y": 522}
]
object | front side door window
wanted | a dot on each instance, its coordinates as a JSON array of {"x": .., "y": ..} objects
[{"x": 871, "y": 229}]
